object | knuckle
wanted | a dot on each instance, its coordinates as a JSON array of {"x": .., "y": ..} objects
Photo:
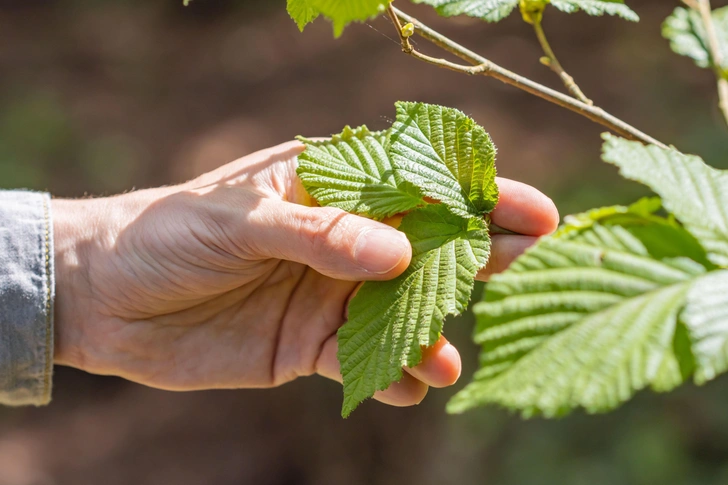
[{"x": 326, "y": 229}]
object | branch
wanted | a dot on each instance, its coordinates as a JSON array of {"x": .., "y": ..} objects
[
  {"x": 483, "y": 66},
  {"x": 551, "y": 61},
  {"x": 703, "y": 7},
  {"x": 692, "y": 4}
]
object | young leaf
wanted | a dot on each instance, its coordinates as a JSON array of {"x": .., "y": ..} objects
[
  {"x": 302, "y": 12},
  {"x": 588, "y": 317},
  {"x": 352, "y": 171},
  {"x": 344, "y": 12},
  {"x": 447, "y": 155},
  {"x": 706, "y": 317},
  {"x": 495, "y": 10},
  {"x": 390, "y": 321},
  {"x": 376, "y": 175},
  {"x": 694, "y": 192},
  {"x": 489, "y": 10},
  {"x": 597, "y": 7},
  {"x": 686, "y": 33}
]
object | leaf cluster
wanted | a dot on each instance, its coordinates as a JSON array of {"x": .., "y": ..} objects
[
  {"x": 496, "y": 10},
  {"x": 618, "y": 300},
  {"x": 340, "y": 13},
  {"x": 436, "y": 167},
  {"x": 688, "y": 37}
]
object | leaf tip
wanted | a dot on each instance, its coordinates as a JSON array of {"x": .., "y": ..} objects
[{"x": 455, "y": 405}]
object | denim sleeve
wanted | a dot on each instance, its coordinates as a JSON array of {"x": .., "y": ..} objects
[{"x": 26, "y": 298}]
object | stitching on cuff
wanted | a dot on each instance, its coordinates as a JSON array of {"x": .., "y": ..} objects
[{"x": 48, "y": 303}]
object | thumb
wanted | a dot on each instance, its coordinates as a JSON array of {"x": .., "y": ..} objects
[{"x": 331, "y": 241}]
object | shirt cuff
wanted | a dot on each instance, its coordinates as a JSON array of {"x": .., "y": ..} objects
[{"x": 27, "y": 290}]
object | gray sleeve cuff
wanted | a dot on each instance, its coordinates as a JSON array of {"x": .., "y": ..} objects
[{"x": 26, "y": 298}]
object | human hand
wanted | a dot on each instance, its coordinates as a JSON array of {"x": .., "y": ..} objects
[{"x": 232, "y": 280}]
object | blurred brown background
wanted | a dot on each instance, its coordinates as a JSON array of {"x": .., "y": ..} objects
[{"x": 102, "y": 96}]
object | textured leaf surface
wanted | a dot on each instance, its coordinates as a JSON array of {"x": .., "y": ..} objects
[
  {"x": 588, "y": 317},
  {"x": 686, "y": 33},
  {"x": 390, "y": 321},
  {"x": 302, "y": 12},
  {"x": 447, "y": 155},
  {"x": 495, "y": 10},
  {"x": 597, "y": 7},
  {"x": 489, "y": 10},
  {"x": 694, "y": 192},
  {"x": 706, "y": 317},
  {"x": 352, "y": 171},
  {"x": 376, "y": 175}
]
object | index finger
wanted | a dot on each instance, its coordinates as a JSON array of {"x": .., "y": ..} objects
[{"x": 524, "y": 209}]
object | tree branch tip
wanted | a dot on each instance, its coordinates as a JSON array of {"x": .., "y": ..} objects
[{"x": 481, "y": 65}]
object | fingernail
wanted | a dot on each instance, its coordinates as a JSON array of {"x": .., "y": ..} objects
[
  {"x": 379, "y": 251},
  {"x": 448, "y": 351}
]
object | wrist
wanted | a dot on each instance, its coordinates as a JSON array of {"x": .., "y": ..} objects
[{"x": 73, "y": 228}]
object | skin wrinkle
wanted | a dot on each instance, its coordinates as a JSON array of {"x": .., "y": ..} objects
[
  {"x": 190, "y": 303},
  {"x": 165, "y": 270},
  {"x": 211, "y": 264},
  {"x": 120, "y": 266},
  {"x": 313, "y": 368},
  {"x": 213, "y": 225},
  {"x": 320, "y": 230},
  {"x": 205, "y": 310},
  {"x": 163, "y": 273},
  {"x": 224, "y": 244},
  {"x": 328, "y": 315},
  {"x": 279, "y": 333},
  {"x": 196, "y": 263},
  {"x": 137, "y": 351}
]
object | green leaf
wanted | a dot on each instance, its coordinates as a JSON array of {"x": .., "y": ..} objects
[
  {"x": 706, "y": 317},
  {"x": 588, "y": 317},
  {"x": 376, "y": 175},
  {"x": 447, "y": 155},
  {"x": 597, "y": 7},
  {"x": 495, "y": 10},
  {"x": 343, "y": 12},
  {"x": 686, "y": 33},
  {"x": 352, "y": 171},
  {"x": 489, "y": 10},
  {"x": 302, "y": 12},
  {"x": 390, "y": 321},
  {"x": 694, "y": 192}
]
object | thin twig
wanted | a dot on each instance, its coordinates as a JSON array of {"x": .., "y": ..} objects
[
  {"x": 703, "y": 7},
  {"x": 404, "y": 40},
  {"x": 483, "y": 66},
  {"x": 552, "y": 62}
]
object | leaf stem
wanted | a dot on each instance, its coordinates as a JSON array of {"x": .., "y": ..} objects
[
  {"x": 553, "y": 63},
  {"x": 482, "y": 66},
  {"x": 703, "y": 7}
]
